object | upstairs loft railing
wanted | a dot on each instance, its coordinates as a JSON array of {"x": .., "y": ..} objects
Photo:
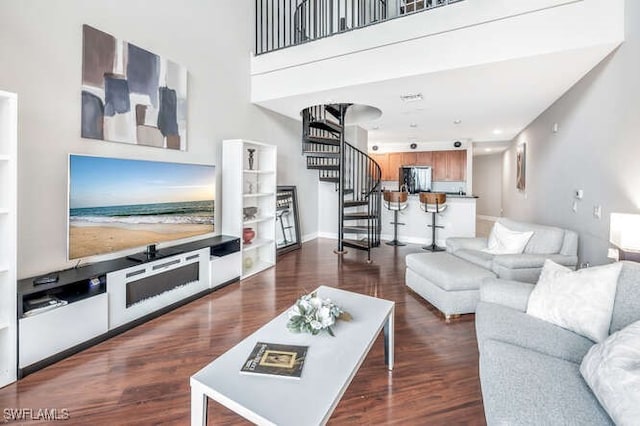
[{"x": 284, "y": 23}]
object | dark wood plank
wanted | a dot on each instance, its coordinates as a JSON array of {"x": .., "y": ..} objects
[{"x": 142, "y": 375}]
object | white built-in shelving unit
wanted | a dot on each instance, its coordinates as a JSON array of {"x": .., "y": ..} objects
[
  {"x": 8, "y": 237},
  {"x": 250, "y": 185}
]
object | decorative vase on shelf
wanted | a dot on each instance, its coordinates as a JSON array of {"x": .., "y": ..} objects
[
  {"x": 251, "y": 151},
  {"x": 247, "y": 263},
  {"x": 247, "y": 235}
]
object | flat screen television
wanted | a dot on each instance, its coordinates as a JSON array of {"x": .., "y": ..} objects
[{"x": 118, "y": 204}]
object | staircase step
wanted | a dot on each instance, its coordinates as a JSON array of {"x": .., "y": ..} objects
[
  {"x": 333, "y": 110},
  {"x": 357, "y": 229},
  {"x": 322, "y": 140},
  {"x": 336, "y": 180},
  {"x": 321, "y": 154},
  {"x": 358, "y": 216},
  {"x": 323, "y": 167},
  {"x": 356, "y": 244},
  {"x": 329, "y": 179},
  {"x": 355, "y": 203},
  {"x": 328, "y": 125}
]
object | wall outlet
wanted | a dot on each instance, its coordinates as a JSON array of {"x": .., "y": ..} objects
[
  {"x": 579, "y": 194},
  {"x": 597, "y": 211}
]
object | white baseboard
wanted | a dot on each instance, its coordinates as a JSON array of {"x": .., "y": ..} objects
[
  {"x": 484, "y": 217},
  {"x": 330, "y": 235},
  {"x": 309, "y": 237}
]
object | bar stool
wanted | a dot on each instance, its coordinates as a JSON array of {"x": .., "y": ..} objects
[
  {"x": 434, "y": 203},
  {"x": 395, "y": 201}
]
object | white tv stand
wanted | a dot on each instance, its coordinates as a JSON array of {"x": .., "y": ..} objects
[
  {"x": 142, "y": 289},
  {"x": 107, "y": 298}
]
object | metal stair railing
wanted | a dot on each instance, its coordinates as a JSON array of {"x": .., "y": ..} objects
[
  {"x": 284, "y": 23},
  {"x": 364, "y": 176},
  {"x": 355, "y": 174}
]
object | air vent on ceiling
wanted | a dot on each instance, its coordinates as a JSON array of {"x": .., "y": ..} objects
[{"x": 411, "y": 97}]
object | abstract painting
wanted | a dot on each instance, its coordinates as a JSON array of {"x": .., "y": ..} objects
[
  {"x": 521, "y": 167},
  {"x": 131, "y": 95}
]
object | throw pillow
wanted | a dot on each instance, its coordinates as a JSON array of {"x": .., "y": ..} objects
[
  {"x": 580, "y": 301},
  {"x": 612, "y": 371},
  {"x": 503, "y": 240}
]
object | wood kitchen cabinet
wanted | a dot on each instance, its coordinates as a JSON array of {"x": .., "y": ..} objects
[
  {"x": 448, "y": 166},
  {"x": 439, "y": 172},
  {"x": 424, "y": 158},
  {"x": 395, "y": 162},
  {"x": 410, "y": 159},
  {"x": 457, "y": 165},
  {"x": 383, "y": 162}
]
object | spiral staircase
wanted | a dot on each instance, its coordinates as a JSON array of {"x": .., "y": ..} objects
[{"x": 356, "y": 176}]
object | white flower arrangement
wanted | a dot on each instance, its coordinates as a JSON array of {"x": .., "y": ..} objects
[{"x": 312, "y": 314}]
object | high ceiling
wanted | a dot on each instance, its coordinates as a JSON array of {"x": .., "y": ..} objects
[
  {"x": 484, "y": 69},
  {"x": 483, "y": 103}
]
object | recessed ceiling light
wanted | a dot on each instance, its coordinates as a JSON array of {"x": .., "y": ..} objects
[
  {"x": 411, "y": 97},
  {"x": 487, "y": 150},
  {"x": 497, "y": 131},
  {"x": 413, "y": 125},
  {"x": 375, "y": 127},
  {"x": 457, "y": 121}
]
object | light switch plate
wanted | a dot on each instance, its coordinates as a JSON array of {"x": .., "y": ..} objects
[{"x": 597, "y": 211}]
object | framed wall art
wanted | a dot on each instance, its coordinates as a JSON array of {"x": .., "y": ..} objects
[
  {"x": 130, "y": 94},
  {"x": 521, "y": 167}
]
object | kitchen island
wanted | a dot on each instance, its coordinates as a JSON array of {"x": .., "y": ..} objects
[{"x": 459, "y": 220}]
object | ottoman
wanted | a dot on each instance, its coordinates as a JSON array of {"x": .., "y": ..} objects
[{"x": 448, "y": 282}]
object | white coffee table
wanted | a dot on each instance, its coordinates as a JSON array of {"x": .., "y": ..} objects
[{"x": 330, "y": 365}]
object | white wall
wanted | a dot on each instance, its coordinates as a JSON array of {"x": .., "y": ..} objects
[
  {"x": 487, "y": 179},
  {"x": 41, "y": 45},
  {"x": 357, "y": 136},
  {"x": 595, "y": 149}
]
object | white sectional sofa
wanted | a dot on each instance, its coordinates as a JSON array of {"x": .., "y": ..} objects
[
  {"x": 547, "y": 242},
  {"x": 451, "y": 281},
  {"x": 530, "y": 368}
]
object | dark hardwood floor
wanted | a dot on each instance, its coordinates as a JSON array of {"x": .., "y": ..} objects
[{"x": 142, "y": 376}]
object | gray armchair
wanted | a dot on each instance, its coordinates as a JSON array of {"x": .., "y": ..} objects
[{"x": 547, "y": 242}]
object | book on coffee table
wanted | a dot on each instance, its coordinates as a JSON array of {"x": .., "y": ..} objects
[{"x": 272, "y": 359}]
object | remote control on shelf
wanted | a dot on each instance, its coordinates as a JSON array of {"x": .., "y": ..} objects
[{"x": 46, "y": 279}]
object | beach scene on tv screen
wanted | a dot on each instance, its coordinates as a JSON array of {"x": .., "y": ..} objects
[{"x": 117, "y": 204}]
